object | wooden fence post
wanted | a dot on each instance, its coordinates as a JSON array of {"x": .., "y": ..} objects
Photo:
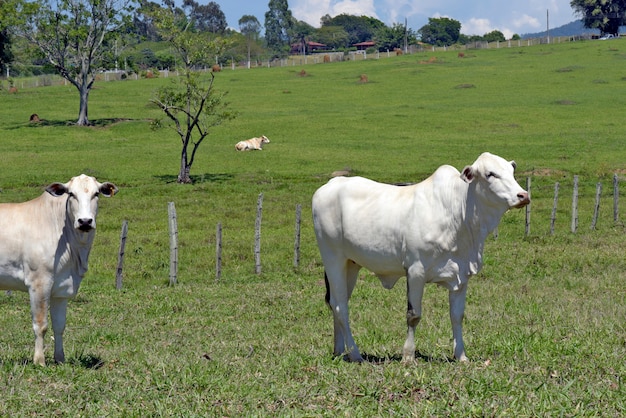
[
  {"x": 218, "y": 252},
  {"x": 296, "y": 245},
  {"x": 171, "y": 210},
  {"x": 120, "y": 257},
  {"x": 596, "y": 209},
  {"x": 556, "y": 199},
  {"x": 575, "y": 206},
  {"x": 257, "y": 235},
  {"x": 528, "y": 207},
  {"x": 615, "y": 198}
]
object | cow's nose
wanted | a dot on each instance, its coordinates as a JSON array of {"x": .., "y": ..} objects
[
  {"x": 523, "y": 197},
  {"x": 85, "y": 224}
]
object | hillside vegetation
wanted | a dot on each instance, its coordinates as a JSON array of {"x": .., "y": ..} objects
[{"x": 545, "y": 318}]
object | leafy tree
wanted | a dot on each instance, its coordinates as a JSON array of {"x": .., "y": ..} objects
[
  {"x": 300, "y": 32},
  {"x": 333, "y": 36},
  {"x": 440, "y": 31},
  {"x": 5, "y": 38},
  {"x": 208, "y": 18},
  {"x": 74, "y": 36},
  {"x": 494, "y": 36},
  {"x": 250, "y": 27},
  {"x": 358, "y": 28},
  {"x": 605, "y": 15},
  {"x": 142, "y": 25},
  {"x": 278, "y": 25},
  {"x": 191, "y": 104},
  {"x": 389, "y": 38}
]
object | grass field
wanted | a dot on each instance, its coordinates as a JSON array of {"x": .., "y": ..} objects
[{"x": 545, "y": 318}]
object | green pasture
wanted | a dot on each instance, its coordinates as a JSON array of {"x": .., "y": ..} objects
[{"x": 544, "y": 326}]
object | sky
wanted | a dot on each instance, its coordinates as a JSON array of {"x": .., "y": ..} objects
[{"x": 477, "y": 17}]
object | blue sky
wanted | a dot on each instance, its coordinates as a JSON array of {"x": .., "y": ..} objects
[{"x": 477, "y": 17}]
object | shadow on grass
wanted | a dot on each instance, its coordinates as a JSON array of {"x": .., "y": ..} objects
[
  {"x": 198, "y": 178},
  {"x": 94, "y": 123},
  {"x": 86, "y": 361},
  {"x": 396, "y": 358}
]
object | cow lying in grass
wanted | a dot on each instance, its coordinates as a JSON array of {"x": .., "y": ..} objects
[{"x": 252, "y": 144}]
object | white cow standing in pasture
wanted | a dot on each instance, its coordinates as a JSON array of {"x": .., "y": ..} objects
[
  {"x": 44, "y": 250},
  {"x": 430, "y": 232},
  {"x": 252, "y": 144}
]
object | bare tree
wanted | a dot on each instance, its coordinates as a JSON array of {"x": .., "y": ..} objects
[{"x": 72, "y": 36}]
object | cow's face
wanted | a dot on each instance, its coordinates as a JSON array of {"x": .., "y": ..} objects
[
  {"x": 82, "y": 202},
  {"x": 495, "y": 178},
  {"x": 265, "y": 140}
]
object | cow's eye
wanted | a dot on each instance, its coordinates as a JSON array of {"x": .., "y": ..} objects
[{"x": 491, "y": 174}]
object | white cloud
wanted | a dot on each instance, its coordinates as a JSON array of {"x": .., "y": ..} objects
[
  {"x": 311, "y": 11},
  {"x": 476, "y": 26},
  {"x": 526, "y": 21}
]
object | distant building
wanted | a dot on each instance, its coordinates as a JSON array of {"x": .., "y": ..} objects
[
  {"x": 310, "y": 47},
  {"x": 362, "y": 46}
]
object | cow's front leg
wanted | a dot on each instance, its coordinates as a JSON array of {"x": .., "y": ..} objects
[
  {"x": 414, "y": 293},
  {"x": 58, "y": 312},
  {"x": 39, "y": 312},
  {"x": 457, "y": 310}
]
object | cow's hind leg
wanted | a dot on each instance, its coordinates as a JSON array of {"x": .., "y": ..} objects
[
  {"x": 414, "y": 293},
  {"x": 58, "y": 312},
  {"x": 39, "y": 313},
  {"x": 340, "y": 283}
]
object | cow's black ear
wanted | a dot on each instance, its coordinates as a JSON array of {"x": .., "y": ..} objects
[
  {"x": 468, "y": 174},
  {"x": 514, "y": 164},
  {"x": 57, "y": 189},
  {"x": 108, "y": 189}
]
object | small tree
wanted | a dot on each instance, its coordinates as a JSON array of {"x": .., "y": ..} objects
[{"x": 191, "y": 103}]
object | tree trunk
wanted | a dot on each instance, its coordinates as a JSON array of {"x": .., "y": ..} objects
[
  {"x": 185, "y": 168},
  {"x": 83, "y": 116}
]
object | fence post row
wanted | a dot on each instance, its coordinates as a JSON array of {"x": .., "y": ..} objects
[
  {"x": 596, "y": 209},
  {"x": 296, "y": 245},
  {"x": 615, "y": 198},
  {"x": 218, "y": 252},
  {"x": 257, "y": 235},
  {"x": 575, "y": 206},
  {"x": 120, "y": 258},
  {"x": 173, "y": 230},
  {"x": 528, "y": 207},
  {"x": 171, "y": 210},
  {"x": 556, "y": 199}
]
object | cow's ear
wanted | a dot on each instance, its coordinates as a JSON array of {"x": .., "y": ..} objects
[
  {"x": 468, "y": 174},
  {"x": 108, "y": 189},
  {"x": 57, "y": 189},
  {"x": 514, "y": 164}
]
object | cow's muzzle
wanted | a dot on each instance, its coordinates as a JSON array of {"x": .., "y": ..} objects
[
  {"x": 524, "y": 200},
  {"x": 85, "y": 224}
]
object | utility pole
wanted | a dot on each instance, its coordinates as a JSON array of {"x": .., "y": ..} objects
[{"x": 548, "y": 24}]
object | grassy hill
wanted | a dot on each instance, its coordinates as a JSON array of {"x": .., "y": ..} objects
[{"x": 545, "y": 318}]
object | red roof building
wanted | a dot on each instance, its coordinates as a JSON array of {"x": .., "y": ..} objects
[{"x": 364, "y": 45}]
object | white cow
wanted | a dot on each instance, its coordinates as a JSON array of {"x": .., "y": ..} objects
[
  {"x": 44, "y": 249},
  {"x": 252, "y": 144},
  {"x": 430, "y": 232}
]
